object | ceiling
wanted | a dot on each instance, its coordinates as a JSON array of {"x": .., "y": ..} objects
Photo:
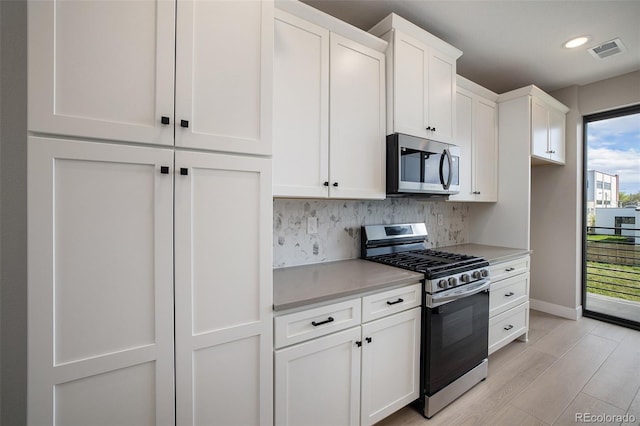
[{"x": 509, "y": 44}]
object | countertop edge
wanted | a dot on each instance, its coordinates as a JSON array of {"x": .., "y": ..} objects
[{"x": 348, "y": 294}]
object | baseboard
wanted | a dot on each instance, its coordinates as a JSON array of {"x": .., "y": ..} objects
[{"x": 557, "y": 310}]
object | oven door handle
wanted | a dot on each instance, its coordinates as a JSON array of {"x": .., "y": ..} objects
[{"x": 455, "y": 294}]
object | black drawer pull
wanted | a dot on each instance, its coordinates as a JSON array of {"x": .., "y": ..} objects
[
  {"x": 164, "y": 170},
  {"x": 184, "y": 123},
  {"x": 509, "y": 327},
  {"x": 510, "y": 269},
  {"x": 400, "y": 300},
  {"x": 184, "y": 171},
  {"x": 368, "y": 339},
  {"x": 327, "y": 321},
  {"x": 509, "y": 294},
  {"x": 164, "y": 119},
  {"x": 358, "y": 343}
]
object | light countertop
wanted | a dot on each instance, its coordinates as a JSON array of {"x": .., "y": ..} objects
[
  {"x": 493, "y": 254},
  {"x": 304, "y": 285}
]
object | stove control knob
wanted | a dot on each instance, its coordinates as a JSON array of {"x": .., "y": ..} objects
[
  {"x": 465, "y": 278},
  {"x": 442, "y": 284},
  {"x": 476, "y": 275},
  {"x": 453, "y": 282},
  {"x": 484, "y": 273}
]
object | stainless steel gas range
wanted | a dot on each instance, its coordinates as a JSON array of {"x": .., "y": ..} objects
[{"x": 455, "y": 315}]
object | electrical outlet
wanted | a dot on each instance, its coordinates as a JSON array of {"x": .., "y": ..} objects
[
  {"x": 312, "y": 225},
  {"x": 440, "y": 219}
]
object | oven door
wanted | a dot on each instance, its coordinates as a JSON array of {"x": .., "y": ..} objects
[{"x": 455, "y": 341}]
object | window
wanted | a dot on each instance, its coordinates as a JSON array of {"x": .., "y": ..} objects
[
  {"x": 607, "y": 185},
  {"x": 599, "y": 184}
]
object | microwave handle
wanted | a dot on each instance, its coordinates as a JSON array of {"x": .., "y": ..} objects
[{"x": 447, "y": 154}]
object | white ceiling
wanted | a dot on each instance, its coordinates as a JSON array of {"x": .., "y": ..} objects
[{"x": 509, "y": 44}]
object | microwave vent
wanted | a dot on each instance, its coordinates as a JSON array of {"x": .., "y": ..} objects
[{"x": 607, "y": 49}]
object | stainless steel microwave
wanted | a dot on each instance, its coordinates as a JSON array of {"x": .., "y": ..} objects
[{"x": 417, "y": 166}]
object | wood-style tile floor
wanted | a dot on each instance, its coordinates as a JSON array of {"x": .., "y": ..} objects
[{"x": 566, "y": 369}]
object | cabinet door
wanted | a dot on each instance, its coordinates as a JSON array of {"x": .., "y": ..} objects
[
  {"x": 556, "y": 135},
  {"x": 464, "y": 139},
  {"x": 485, "y": 147},
  {"x": 300, "y": 108},
  {"x": 539, "y": 129},
  {"x": 223, "y": 290},
  {"x": 100, "y": 289},
  {"x": 441, "y": 100},
  {"x": 102, "y": 69},
  {"x": 390, "y": 364},
  {"x": 357, "y": 117},
  {"x": 224, "y": 61},
  {"x": 410, "y": 90},
  {"x": 318, "y": 382}
]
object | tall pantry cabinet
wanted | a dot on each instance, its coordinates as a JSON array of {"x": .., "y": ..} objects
[{"x": 150, "y": 264}]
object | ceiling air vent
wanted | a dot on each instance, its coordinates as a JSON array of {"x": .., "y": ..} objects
[{"x": 609, "y": 48}]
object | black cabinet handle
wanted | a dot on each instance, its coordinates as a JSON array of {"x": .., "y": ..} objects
[
  {"x": 509, "y": 327},
  {"x": 509, "y": 294},
  {"x": 327, "y": 321},
  {"x": 358, "y": 343},
  {"x": 400, "y": 300},
  {"x": 326, "y": 183},
  {"x": 164, "y": 170},
  {"x": 184, "y": 171},
  {"x": 368, "y": 339},
  {"x": 429, "y": 128},
  {"x": 164, "y": 119},
  {"x": 510, "y": 269},
  {"x": 476, "y": 192},
  {"x": 434, "y": 129},
  {"x": 335, "y": 184},
  {"x": 184, "y": 123}
]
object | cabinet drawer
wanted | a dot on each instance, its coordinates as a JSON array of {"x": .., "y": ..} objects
[
  {"x": 507, "y": 326},
  {"x": 389, "y": 302},
  {"x": 508, "y": 293},
  {"x": 503, "y": 270},
  {"x": 304, "y": 325}
]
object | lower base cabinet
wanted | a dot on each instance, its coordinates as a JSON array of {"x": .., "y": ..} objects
[
  {"x": 355, "y": 376},
  {"x": 508, "y": 303}
]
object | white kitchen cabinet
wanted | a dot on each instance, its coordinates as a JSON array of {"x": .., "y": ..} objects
[
  {"x": 547, "y": 132},
  {"x": 334, "y": 365},
  {"x": 477, "y": 137},
  {"x": 318, "y": 382},
  {"x": 100, "y": 288},
  {"x": 329, "y": 108},
  {"x": 105, "y": 70},
  {"x": 421, "y": 80},
  {"x": 103, "y": 239},
  {"x": 223, "y": 291},
  {"x": 508, "y": 302},
  {"x": 546, "y": 118},
  {"x": 390, "y": 364}
]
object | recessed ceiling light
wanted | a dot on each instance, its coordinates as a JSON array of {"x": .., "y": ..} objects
[{"x": 576, "y": 42}]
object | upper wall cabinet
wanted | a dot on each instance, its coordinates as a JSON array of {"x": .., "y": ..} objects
[
  {"x": 421, "y": 80},
  {"x": 546, "y": 118},
  {"x": 105, "y": 70},
  {"x": 329, "y": 108},
  {"x": 477, "y": 137}
]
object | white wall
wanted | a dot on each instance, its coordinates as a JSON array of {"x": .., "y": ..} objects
[
  {"x": 556, "y": 206},
  {"x": 13, "y": 218}
]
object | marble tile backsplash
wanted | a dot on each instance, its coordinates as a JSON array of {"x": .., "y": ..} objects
[{"x": 339, "y": 223}]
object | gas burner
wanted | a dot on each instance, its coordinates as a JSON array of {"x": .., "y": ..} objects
[{"x": 403, "y": 246}]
